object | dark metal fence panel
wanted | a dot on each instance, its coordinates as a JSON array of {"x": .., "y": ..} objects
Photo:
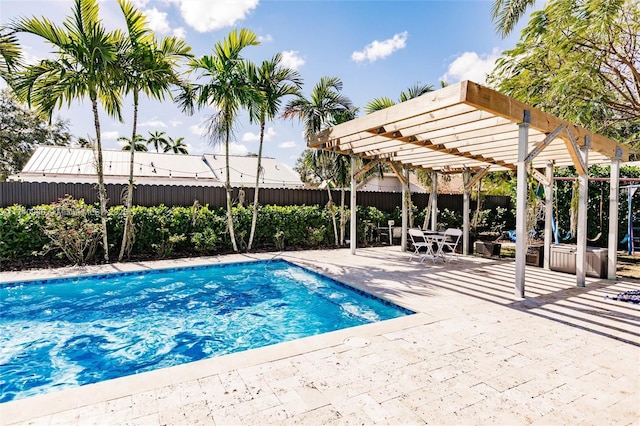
[{"x": 35, "y": 193}]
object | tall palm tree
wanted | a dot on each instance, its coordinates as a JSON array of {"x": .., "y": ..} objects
[
  {"x": 177, "y": 146},
  {"x": 274, "y": 82},
  {"x": 158, "y": 140},
  {"x": 148, "y": 67},
  {"x": 326, "y": 106},
  {"x": 228, "y": 90},
  {"x": 137, "y": 144},
  {"x": 86, "y": 66}
]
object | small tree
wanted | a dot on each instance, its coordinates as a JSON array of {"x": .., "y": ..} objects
[{"x": 72, "y": 229}]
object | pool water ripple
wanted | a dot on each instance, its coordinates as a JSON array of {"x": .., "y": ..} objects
[{"x": 61, "y": 333}]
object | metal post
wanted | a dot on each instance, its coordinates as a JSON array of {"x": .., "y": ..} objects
[
  {"x": 521, "y": 204},
  {"x": 614, "y": 199},
  {"x": 434, "y": 203},
  {"x": 466, "y": 195},
  {"x": 581, "y": 237},
  {"x": 405, "y": 205},
  {"x": 548, "y": 215},
  {"x": 352, "y": 228}
]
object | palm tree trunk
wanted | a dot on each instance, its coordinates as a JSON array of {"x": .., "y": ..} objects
[
  {"x": 127, "y": 233},
  {"x": 333, "y": 216},
  {"x": 227, "y": 186},
  {"x": 254, "y": 218},
  {"x": 102, "y": 192}
]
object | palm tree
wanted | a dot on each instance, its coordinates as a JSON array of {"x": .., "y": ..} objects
[
  {"x": 148, "y": 67},
  {"x": 138, "y": 144},
  {"x": 507, "y": 13},
  {"x": 228, "y": 90},
  {"x": 377, "y": 104},
  {"x": 414, "y": 91},
  {"x": 86, "y": 65},
  {"x": 158, "y": 140},
  {"x": 326, "y": 106},
  {"x": 10, "y": 54},
  {"x": 177, "y": 146},
  {"x": 274, "y": 82}
]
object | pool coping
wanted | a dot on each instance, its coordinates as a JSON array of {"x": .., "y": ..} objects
[
  {"x": 474, "y": 353},
  {"x": 23, "y": 409}
]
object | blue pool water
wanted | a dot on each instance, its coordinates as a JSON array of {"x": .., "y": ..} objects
[{"x": 67, "y": 332}]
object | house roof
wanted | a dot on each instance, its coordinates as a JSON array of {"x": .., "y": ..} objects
[
  {"x": 67, "y": 164},
  {"x": 464, "y": 126}
]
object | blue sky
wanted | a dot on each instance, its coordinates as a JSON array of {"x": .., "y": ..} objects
[{"x": 377, "y": 48}]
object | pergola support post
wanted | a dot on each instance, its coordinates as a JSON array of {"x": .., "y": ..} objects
[
  {"x": 466, "y": 177},
  {"x": 614, "y": 199},
  {"x": 521, "y": 204},
  {"x": 405, "y": 208},
  {"x": 434, "y": 202},
  {"x": 583, "y": 196},
  {"x": 548, "y": 215},
  {"x": 352, "y": 225}
]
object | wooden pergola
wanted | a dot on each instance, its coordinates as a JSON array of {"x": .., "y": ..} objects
[{"x": 471, "y": 129}]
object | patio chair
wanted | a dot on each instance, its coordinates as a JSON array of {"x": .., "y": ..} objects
[
  {"x": 420, "y": 242},
  {"x": 448, "y": 244}
]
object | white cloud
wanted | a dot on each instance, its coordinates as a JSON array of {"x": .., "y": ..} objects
[
  {"x": 29, "y": 57},
  {"x": 199, "y": 129},
  {"x": 291, "y": 59},
  {"x": 265, "y": 38},
  {"x": 113, "y": 135},
  {"x": 287, "y": 144},
  {"x": 179, "y": 33},
  {"x": 471, "y": 66},
  {"x": 235, "y": 148},
  {"x": 157, "y": 20},
  {"x": 207, "y": 15},
  {"x": 199, "y": 148},
  {"x": 175, "y": 123},
  {"x": 253, "y": 137},
  {"x": 140, "y": 4},
  {"x": 154, "y": 122},
  {"x": 381, "y": 49}
]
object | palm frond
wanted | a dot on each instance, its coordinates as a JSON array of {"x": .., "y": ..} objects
[{"x": 377, "y": 104}]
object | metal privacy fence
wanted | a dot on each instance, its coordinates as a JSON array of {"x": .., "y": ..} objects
[{"x": 31, "y": 194}]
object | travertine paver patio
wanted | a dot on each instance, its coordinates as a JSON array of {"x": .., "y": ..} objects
[{"x": 473, "y": 354}]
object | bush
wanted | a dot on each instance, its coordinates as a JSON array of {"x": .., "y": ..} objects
[{"x": 73, "y": 229}]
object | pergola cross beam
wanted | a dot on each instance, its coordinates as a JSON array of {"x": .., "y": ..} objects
[{"x": 544, "y": 143}]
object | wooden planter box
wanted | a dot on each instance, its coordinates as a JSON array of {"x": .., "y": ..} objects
[{"x": 488, "y": 249}]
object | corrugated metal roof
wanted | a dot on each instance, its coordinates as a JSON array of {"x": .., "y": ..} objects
[{"x": 67, "y": 164}]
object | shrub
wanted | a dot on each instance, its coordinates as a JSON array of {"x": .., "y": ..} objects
[{"x": 73, "y": 229}]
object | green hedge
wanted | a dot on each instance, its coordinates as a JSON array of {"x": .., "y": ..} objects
[{"x": 163, "y": 231}]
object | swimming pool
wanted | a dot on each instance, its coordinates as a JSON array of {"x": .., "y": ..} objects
[{"x": 61, "y": 333}]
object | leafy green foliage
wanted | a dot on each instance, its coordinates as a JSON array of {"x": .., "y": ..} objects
[
  {"x": 163, "y": 231},
  {"x": 73, "y": 229},
  {"x": 20, "y": 234},
  {"x": 580, "y": 61},
  {"x": 21, "y": 131}
]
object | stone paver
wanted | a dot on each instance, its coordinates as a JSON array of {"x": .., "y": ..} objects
[{"x": 472, "y": 354}]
